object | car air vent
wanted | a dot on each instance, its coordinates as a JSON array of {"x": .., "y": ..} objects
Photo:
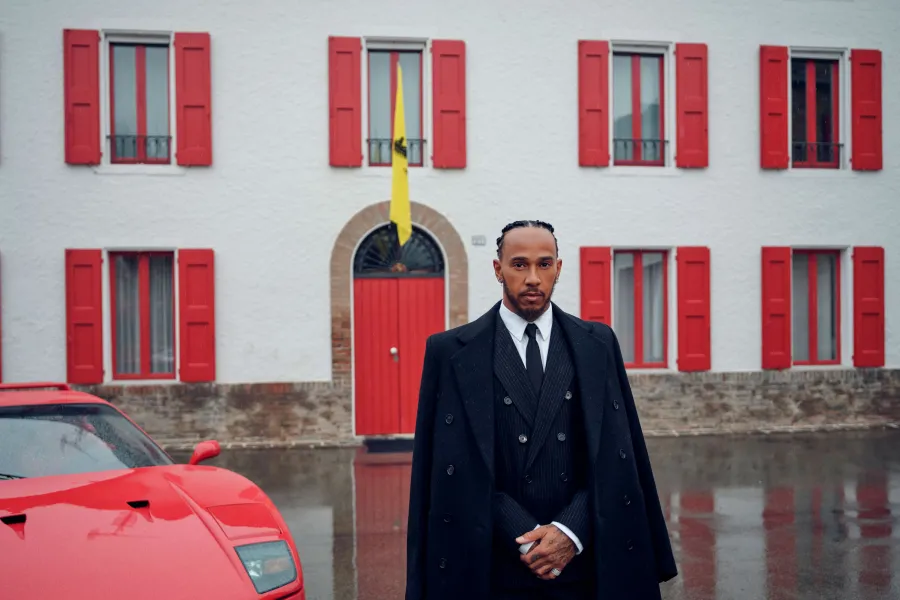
[
  {"x": 138, "y": 503},
  {"x": 13, "y": 519}
]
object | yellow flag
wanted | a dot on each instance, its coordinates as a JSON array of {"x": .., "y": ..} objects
[{"x": 400, "y": 209}]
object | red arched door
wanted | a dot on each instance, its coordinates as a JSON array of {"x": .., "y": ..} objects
[{"x": 398, "y": 301}]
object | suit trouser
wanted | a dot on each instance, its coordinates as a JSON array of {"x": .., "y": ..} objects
[{"x": 550, "y": 591}]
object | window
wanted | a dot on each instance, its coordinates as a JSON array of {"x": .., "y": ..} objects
[
  {"x": 638, "y": 109},
  {"x": 382, "y": 100},
  {"x": 639, "y": 307},
  {"x": 139, "y": 103},
  {"x": 815, "y": 113},
  {"x": 815, "y": 287},
  {"x": 142, "y": 315}
]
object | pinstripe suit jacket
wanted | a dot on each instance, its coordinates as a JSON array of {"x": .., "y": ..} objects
[{"x": 451, "y": 528}]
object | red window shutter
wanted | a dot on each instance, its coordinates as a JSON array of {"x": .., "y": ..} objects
[
  {"x": 449, "y": 110},
  {"x": 595, "y": 284},
  {"x": 866, "y": 108},
  {"x": 776, "y": 308},
  {"x": 593, "y": 103},
  {"x": 197, "y": 315},
  {"x": 692, "y": 104},
  {"x": 193, "y": 96},
  {"x": 84, "y": 316},
  {"x": 81, "y": 68},
  {"x": 694, "y": 337},
  {"x": 1, "y": 325},
  {"x": 344, "y": 102},
  {"x": 773, "y": 88},
  {"x": 868, "y": 307}
]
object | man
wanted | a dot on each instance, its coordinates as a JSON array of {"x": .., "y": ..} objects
[{"x": 530, "y": 476}]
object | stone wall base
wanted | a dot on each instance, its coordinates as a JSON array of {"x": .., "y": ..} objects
[{"x": 320, "y": 413}]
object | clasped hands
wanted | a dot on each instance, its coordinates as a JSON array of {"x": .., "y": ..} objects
[{"x": 552, "y": 549}]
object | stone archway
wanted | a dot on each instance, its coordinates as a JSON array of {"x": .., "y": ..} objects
[{"x": 457, "y": 274}]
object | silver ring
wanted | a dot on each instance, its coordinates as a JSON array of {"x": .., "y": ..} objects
[{"x": 556, "y": 572}]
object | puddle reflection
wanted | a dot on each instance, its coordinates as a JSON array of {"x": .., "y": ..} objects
[{"x": 767, "y": 518}]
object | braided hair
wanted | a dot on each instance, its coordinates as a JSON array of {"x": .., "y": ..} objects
[{"x": 528, "y": 223}]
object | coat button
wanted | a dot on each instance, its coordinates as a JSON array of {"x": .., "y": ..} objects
[
  {"x": 561, "y": 436},
  {"x": 621, "y": 453},
  {"x": 443, "y": 563},
  {"x": 447, "y": 518},
  {"x": 528, "y": 479},
  {"x": 629, "y": 544},
  {"x": 448, "y": 419},
  {"x": 568, "y": 395},
  {"x": 507, "y": 401},
  {"x": 450, "y": 470},
  {"x": 627, "y": 500},
  {"x": 563, "y": 476},
  {"x": 616, "y": 404},
  {"x": 523, "y": 438}
]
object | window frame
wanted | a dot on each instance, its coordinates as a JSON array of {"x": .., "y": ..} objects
[
  {"x": 813, "y": 307},
  {"x": 810, "y": 116},
  {"x": 144, "y": 303},
  {"x": 638, "y": 262},
  {"x": 140, "y": 75},
  {"x": 394, "y": 53},
  {"x": 841, "y": 100},
  {"x": 110, "y": 37},
  {"x": 635, "y": 54}
]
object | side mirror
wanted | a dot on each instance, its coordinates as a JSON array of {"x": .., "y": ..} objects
[{"x": 205, "y": 451}]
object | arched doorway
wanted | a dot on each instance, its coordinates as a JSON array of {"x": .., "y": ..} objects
[{"x": 398, "y": 301}]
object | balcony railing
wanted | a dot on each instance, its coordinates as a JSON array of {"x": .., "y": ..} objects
[
  {"x": 822, "y": 155},
  {"x": 631, "y": 151},
  {"x": 137, "y": 149},
  {"x": 380, "y": 152}
]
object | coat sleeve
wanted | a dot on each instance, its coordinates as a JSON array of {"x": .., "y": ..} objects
[
  {"x": 662, "y": 546},
  {"x": 420, "y": 479}
]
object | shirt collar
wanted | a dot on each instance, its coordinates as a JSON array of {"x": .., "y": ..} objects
[{"x": 516, "y": 324}]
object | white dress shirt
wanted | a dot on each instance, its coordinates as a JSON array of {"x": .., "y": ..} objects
[{"x": 516, "y": 326}]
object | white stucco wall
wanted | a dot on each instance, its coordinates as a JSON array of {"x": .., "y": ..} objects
[{"x": 271, "y": 207}]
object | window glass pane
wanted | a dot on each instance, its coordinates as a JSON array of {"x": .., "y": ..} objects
[
  {"x": 409, "y": 62},
  {"x": 800, "y": 305},
  {"x": 380, "y": 107},
  {"x": 653, "y": 293},
  {"x": 798, "y": 109},
  {"x": 128, "y": 315},
  {"x": 124, "y": 101},
  {"x": 622, "y": 118},
  {"x": 826, "y": 306},
  {"x": 157, "y": 92},
  {"x": 162, "y": 353},
  {"x": 623, "y": 307},
  {"x": 651, "y": 149},
  {"x": 825, "y": 125}
]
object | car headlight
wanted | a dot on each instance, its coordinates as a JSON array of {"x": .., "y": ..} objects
[{"x": 269, "y": 564}]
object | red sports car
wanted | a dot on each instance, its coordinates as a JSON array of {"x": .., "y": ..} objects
[{"x": 91, "y": 507}]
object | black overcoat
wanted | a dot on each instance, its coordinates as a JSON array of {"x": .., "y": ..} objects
[{"x": 449, "y": 535}]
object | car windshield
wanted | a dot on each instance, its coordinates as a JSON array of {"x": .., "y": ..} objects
[{"x": 57, "y": 439}]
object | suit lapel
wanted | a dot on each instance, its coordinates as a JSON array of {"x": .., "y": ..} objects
[
  {"x": 474, "y": 375},
  {"x": 512, "y": 374},
  {"x": 590, "y": 357},
  {"x": 557, "y": 376}
]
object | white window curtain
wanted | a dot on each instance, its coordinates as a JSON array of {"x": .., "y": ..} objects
[
  {"x": 128, "y": 316},
  {"x": 162, "y": 354},
  {"x": 826, "y": 309},
  {"x": 653, "y": 306},
  {"x": 623, "y": 307}
]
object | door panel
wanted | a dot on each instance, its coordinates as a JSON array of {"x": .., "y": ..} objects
[
  {"x": 421, "y": 309},
  {"x": 375, "y": 328}
]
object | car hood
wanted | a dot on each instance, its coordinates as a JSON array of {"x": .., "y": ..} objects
[{"x": 157, "y": 532}]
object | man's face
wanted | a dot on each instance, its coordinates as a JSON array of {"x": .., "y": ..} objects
[{"x": 528, "y": 268}]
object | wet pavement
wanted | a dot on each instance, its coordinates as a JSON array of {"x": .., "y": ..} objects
[{"x": 778, "y": 518}]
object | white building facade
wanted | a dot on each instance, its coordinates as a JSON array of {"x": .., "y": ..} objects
[{"x": 193, "y": 216}]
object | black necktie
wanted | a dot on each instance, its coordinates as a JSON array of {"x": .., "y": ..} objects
[{"x": 533, "y": 358}]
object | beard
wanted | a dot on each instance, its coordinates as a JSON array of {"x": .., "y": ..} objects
[{"x": 529, "y": 313}]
